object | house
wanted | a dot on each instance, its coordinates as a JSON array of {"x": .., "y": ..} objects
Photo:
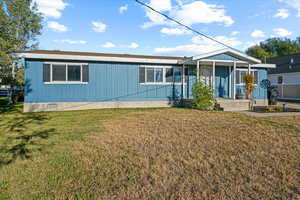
[
  {"x": 61, "y": 80},
  {"x": 286, "y": 76}
]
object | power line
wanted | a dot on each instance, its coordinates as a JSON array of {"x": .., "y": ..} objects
[{"x": 187, "y": 27}]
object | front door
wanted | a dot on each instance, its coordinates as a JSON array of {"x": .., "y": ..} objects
[{"x": 206, "y": 75}]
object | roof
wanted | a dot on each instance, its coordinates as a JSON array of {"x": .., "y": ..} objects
[
  {"x": 229, "y": 51},
  {"x": 285, "y": 64},
  {"x": 91, "y": 56}
]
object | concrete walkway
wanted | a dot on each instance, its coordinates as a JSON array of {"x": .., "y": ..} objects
[{"x": 274, "y": 114}]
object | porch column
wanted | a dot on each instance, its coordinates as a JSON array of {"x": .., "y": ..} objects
[
  {"x": 249, "y": 69},
  {"x": 214, "y": 75},
  {"x": 198, "y": 70},
  {"x": 182, "y": 82},
  {"x": 230, "y": 81},
  {"x": 234, "y": 80}
]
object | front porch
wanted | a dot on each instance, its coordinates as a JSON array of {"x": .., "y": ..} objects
[{"x": 224, "y": 71}]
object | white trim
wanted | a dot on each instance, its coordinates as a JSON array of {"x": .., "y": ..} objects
[
  {"x": 66, "y": 68},
  {"x": 213, "y": 75},
  {"x": 230, "y": 81},
  {"x": 234, "y": 80},
  {"x": 264, "y": 65},
  {"x": 227, "y": 50},
  {"x": 96, "y": 58}
]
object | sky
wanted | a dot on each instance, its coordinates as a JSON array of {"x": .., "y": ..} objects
[{"x": 123, "y": 26}]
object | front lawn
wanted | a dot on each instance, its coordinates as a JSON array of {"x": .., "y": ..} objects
[{"x": 148, "y": 154}]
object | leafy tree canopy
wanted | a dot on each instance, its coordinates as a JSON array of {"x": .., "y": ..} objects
[
  {"x": 274, "y": 47},
  {"x": 20, "y": 24}
]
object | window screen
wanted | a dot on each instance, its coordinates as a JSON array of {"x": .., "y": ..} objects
[
  {"x": 59, "y": 72},
  {"x": 159, "y": 75},
  {"x": 169, "y": 75},
  {"x": 150, "y": 75},
  {"x": 255, "y": 74},
  {"x": 177, "y": 75},
  {"x": 142, "y": 74},
  {"x": 85, "y": 73},
  {"x": 74, "y": 73},
  {"x": 46, "y": 72}
]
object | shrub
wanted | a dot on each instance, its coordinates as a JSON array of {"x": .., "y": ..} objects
[{"x": 203, "y": 96}]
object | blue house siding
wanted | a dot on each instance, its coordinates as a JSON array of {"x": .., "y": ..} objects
[
  {"x": 260, "y": 92},
  {"x": 223, "y": 56},
  {"x": 108, "y": 82},
  {"x": 113, "y": 82}
]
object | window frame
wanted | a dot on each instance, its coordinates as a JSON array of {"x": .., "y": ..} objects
[
  {"x": 164, "y": 82},
  {"x": 252, "y": 71},
  {"x": 66, "y": 68}
]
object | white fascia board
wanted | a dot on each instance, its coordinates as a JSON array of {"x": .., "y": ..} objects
[
  {"x": 228, "y": 50},
  {"x": 264, "y": 65},
  {"x": 96, "y": 58}
]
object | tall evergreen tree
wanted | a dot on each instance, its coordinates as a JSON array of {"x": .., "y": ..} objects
[{"x": 20, "y": 24}]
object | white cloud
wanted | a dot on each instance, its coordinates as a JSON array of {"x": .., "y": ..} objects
[
  {"x": 282, "y": 13},
  {"x": 199, "y": 45},
  {"x": 201, "y": 12},
  {"x": 292, "y": 3},
  {"x": 99, "y": 26},
  {"x": 187, "y": 12},
  {"x": 51, "y": 8},
  {"x": 174, "y": 31},
  {"x": 67, "y": 41},
  {"x": 122, "y": 9},
  {"x": 108, "y": 45},
  {"x": 258, "y": 34},
  {"x": 234, "y": 33},
  {"x": 133, "y": 45},
  {"x": 281, "y": 32},
  {"x": 55, "y": 26}
]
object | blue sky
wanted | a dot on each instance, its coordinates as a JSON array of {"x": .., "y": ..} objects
[{"x": 123, "y": 26}]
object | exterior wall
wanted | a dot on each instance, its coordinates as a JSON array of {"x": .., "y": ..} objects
[
  {"x": 260, "y": 92},
  {"x": 108, "y": 82},
  {"x": 61, "y": 106},
  {"x": 290, "y": 87},
  {"x": 114, "y": 85}
]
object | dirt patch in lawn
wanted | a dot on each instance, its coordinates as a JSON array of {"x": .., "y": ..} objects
[{"x": 187, "y": 154}]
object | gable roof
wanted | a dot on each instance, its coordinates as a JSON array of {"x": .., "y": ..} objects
[{"x": 231, "y": 52}]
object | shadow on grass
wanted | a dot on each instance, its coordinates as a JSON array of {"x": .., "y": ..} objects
[{"x": 23, "y": 136}]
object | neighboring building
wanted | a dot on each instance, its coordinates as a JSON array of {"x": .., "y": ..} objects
[
  {"x": 286, "y": 76},
  {"x": 60, "y": 80}
]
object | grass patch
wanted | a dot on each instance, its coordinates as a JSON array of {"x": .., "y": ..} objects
[{"x": 148, "y": 154}]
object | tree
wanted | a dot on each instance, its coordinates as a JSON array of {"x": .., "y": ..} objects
[
  {"x": 274, "y": 47},
  {"x": 20, "y": 24}
]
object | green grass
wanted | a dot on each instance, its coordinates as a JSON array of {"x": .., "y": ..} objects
[
  {"x": 31, "y": 141},
  {"x": 147, "y": 154}
]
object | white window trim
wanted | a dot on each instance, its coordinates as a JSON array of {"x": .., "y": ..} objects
[
  {"x": 243, "y": 69},
  {"x": 66, "y": 66},
  {"x": 164, "y": 75}
]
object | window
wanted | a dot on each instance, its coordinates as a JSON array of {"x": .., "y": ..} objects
[
  {"x": 177, "y": 75},
  {"x": 280, "y": 80},
  {"x": 65, "y": 73},
  {"x": 154, "y": 75},
  {"x": 169, "y": 75},
  {"x": 161, "y": 75},
  {"x": 240, "y": 74}
]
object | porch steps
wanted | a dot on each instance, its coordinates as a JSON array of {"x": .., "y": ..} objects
[{"x": 233, "y": 105}]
